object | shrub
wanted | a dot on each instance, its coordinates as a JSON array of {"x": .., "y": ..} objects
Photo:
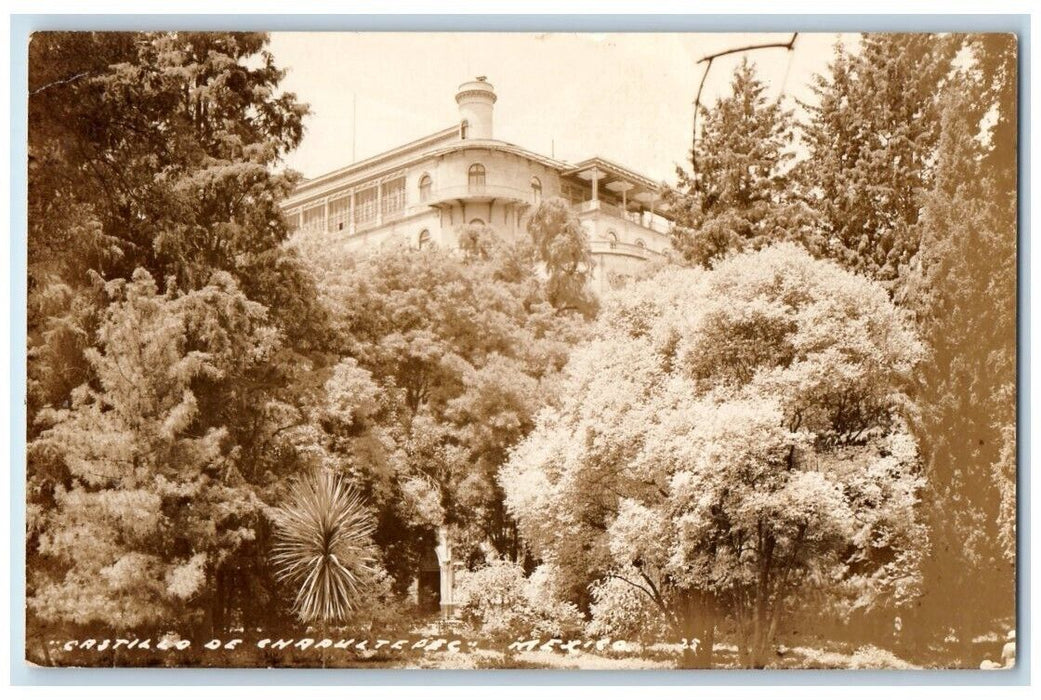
[
  {"x": 623, "y": 612},
  {"x": 323, "y": 547},
  {"x": 501, "y": 603}
]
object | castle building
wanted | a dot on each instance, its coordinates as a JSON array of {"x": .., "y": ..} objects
[{"x": 421, "y": 193}]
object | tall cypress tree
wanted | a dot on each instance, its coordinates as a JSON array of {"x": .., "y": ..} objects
[
  {"x": 963, "y": 289},
  {"x": 164, "y": 317}
]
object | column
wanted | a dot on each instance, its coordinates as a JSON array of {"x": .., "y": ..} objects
[
  {"x": 379, "y": 203},
  {"x": 351, "y": 226},
  {"x": 444, "y": 558},
  {"x": 596, "y": 185}
]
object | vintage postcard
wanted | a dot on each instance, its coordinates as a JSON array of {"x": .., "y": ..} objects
[{"x": 506, "y": 350}]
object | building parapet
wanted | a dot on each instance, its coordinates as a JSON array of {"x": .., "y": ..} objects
[{"x": 632, "y": 250}]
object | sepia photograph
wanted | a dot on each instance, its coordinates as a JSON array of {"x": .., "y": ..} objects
[{"x": 561, "y": 350}]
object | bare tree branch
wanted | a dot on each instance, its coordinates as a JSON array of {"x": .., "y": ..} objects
[{"x": 787, "y": 45}]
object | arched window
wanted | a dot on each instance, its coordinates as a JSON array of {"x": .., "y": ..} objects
[
  {"x": 425, "y": 186},
  {"x": 612, "y": 239},
  {"x": 424, "y": 239},
  {"x": 477, "y": 222},
  {"x": 476, "y": 175},
  {"x": 464, "y": 129},
  {"x": 536, "y": 189},
  {"x": 640, "y": 244}
]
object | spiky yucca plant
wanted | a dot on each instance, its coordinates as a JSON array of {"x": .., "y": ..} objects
[{"x": 323, "y": 546}]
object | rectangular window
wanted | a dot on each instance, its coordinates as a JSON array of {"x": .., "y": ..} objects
[
  {"x": 340, "y": 214},
  {"x": 394, "y": 196},
  {"x": 313, "y": 219},
  {"x": 365, "y": 206}
]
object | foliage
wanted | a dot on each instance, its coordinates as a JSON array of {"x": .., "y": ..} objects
[
  {"x": 167, "y": 326},
  {"x": 502, "y": 604},
  {"x": 380, "y": 608},
  {"x": 323, "y": 546},
  {"x": 622, "y": 611},
  {"x": 161, "y": 143},
  {"x": 464, "y": 350},
  {"x": 734, "y": 439},
  {"x": 562, "y": 246},
  {"x": 147, "y": 499},
  {"x": 154, "y": 151},
  {"x": 870, "y": 139},
  {"x": 966, "y": 304},
  {"x": 737, "y": 195}
]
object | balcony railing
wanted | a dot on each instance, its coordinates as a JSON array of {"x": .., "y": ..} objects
[
  {"x": 485, "y": 191},
  {"x": 648, "y": 222}
]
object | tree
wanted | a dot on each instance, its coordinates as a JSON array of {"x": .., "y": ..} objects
[
  {"x": 148, "y": 501},
  {"x": 152, "y": 150},
  {"x": 965, "y": 300},
  {"x": 163, "y": 143},
  {"x": 562, "y": 246},
  {"x": 167, "y": 326},
  {"x": 737, "y": 195},
  {"x": 871, "y": 138},
  {"x": 464, "y": 347},
  {"x": 729, "y": 441}
]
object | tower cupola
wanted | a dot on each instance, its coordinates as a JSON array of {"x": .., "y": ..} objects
[{"x": 475, "y": 99}]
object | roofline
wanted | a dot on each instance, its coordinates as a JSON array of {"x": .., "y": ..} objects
[
  {"x": 611, "y": 165},
  {"x": 329, "y": 181},
  {"x": 376, "y": 159},
  {"x": 505, "y": 147}
]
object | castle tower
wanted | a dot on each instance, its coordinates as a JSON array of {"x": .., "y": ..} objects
[{"x": 475, "y": 99}]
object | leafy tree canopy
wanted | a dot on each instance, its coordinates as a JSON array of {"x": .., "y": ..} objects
[
  {"x": 465, "y": 347},
  {"x": 729, "y": 440}
]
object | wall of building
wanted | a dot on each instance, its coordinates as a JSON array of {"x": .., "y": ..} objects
[
  {"x": 622, "y": 242},
  {"x": 506, "y": 199}
]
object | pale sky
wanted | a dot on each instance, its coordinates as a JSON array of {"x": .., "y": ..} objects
[{"x": 625, "y": 97}]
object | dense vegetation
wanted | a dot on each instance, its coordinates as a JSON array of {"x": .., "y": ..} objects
[{"x": 813, "y": 411}]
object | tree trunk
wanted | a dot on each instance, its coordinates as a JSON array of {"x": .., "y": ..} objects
[
  {"x": 761, "y": 637},
  {"x": 698, "y": 628}
]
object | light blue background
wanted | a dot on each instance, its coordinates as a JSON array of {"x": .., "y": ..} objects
[{"x": 23, "y": 25}]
